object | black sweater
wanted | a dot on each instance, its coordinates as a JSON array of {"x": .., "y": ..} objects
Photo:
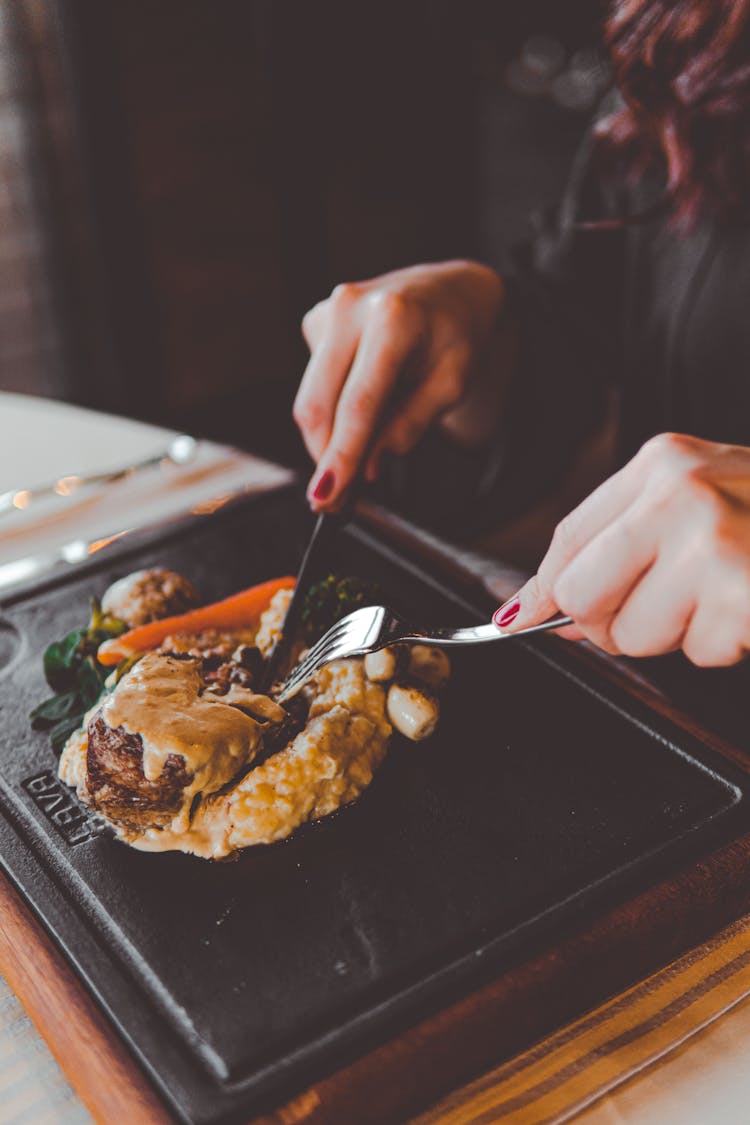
[{"x": 660, "y": 314}]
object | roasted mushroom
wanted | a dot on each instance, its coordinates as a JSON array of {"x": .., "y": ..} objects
[
  {"x": 413, "y": 711},
  {"x": 430, "y": 665},
  {"x": 384, "y": 664}
]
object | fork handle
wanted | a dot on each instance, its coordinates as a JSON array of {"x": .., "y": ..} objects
[{"x": 481, "y": 634}]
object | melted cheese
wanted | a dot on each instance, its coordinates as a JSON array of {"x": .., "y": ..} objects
[{"x": 161, "y": 700}]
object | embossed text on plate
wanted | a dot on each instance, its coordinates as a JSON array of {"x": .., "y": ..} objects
[{"x": 72, "y": 821}]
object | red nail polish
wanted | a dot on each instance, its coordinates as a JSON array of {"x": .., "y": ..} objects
[
  {"x": 507, "y": 613},
  {"x": 324, "y": 487}
]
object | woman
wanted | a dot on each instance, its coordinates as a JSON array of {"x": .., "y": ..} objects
[{"x": 639, "y": 282}]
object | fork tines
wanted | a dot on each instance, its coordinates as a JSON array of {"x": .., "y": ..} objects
[{"x": 322, "y": 652}]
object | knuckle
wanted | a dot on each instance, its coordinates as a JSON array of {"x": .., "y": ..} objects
[
  {"x": 547, "y": 576},
  {"x": 700, "y": 655},
  {"x": 344, "y": 295},
  {"x": 629, "y": 640},
  {"x": 308, "y": 414},
  {"x": 710, "y": 509},
  {"x": 535, "y": 591},
  {"x": 391, "y": 307},
  {"x": 564, "y": 536},
  {"x": 570, "y": 597},
  {"x": 732, "y": 609},
  {"x": 712, "y": 652},
  {"x": 564, "y": 593},
  {"x": 299, "y": 412},
  {"x": 666, "y": 446},
  {"x": 312, "y": 318},
  {"x": 598, "y": 633},
  {"x": 684, "y": 489},
  {"x": 621, "y": 636}
]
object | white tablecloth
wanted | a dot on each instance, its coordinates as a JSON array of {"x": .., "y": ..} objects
[{"x": 42, "y": 442}]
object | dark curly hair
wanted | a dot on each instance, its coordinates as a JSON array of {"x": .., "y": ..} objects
[{"x": 683, "y": 68}]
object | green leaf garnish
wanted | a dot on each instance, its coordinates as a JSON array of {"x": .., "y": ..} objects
[
  {"x": 54, "y": 709},
  {"x": 75, "y": 675},
  {"x": 60, "y": 661}
]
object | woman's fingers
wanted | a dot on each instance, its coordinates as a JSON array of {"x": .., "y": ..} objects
[
  {"x": 326, "y": 372},
  {"x": 388, "y": 339},
  {"x": 719, "y": 631},
  {"x": 659, "y": 462},
  {"x": 372, "y": 338},
  {"x": 592, "y": 515},
  {"x": 315, "y": 322},
  {"x": 537, "y": 600},
  {"x": 597, "y": 581},
  {"x": 656, "y": 615},
  {"x": 593, "y": 585},
  {"x": 645, "y": 612},
  {"x": 657, "y": 559},
  {"x": 424, "y": 405}
]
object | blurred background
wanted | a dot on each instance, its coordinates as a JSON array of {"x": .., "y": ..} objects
[{"x": 181, "y": 179}]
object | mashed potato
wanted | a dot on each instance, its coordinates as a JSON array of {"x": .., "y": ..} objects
[
  {"x": 272, "y": 620},
  {"x": 328, "y": 764}
]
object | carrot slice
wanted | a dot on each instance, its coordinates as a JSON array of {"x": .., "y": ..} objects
[{"x": 242, "y": 609}]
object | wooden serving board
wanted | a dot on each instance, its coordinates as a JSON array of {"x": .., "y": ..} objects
[{"x": 538, "y": 978}]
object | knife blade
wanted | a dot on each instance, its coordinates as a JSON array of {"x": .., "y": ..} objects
[{"x": 325, "y": 527}]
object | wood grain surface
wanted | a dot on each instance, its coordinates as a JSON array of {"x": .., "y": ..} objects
[{"x": 88, "y": 1050}]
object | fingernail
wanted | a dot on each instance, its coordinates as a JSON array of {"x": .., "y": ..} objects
[
  {"x": 324, "y": 487},
  {"x": 507, "y": 613}
]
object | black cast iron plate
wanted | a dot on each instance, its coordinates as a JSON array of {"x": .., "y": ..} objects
[{"x": 540, "y": 798}]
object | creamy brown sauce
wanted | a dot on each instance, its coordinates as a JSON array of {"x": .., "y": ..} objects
[
  {"x": 161, "y": 700},
  {"x": 261, "y": 706}
]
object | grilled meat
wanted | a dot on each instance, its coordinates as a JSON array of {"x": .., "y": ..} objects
[{"x": 117, "y": 785}]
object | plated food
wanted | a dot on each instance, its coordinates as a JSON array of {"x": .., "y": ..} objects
[{"x": 164, "y": 730}]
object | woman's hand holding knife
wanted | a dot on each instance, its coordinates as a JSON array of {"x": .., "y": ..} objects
[{"x": 388, "y": 358}]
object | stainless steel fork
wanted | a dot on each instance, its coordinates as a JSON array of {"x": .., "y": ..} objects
[{"x": 374, "y": 627}]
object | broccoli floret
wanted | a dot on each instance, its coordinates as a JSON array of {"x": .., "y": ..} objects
[{"x": 331, "y": 599}]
